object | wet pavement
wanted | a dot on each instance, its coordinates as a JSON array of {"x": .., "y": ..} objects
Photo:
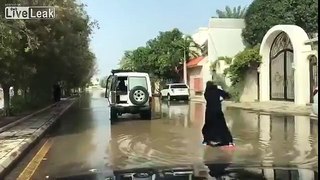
[{"x": 85, "y": 139}]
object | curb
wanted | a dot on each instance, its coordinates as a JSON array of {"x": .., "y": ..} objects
[
  {"x": 27, "y": 144},
  {"x": 270, "y": 111},
  {"x": 229, "y": 105},
  {"x": 8, "y": 126},
  {"x": 197, "y": 100},
  {"x": 24, "y": 118}
]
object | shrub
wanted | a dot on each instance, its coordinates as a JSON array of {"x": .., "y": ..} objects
[
  {"x": 18, "y": 104},
  {"x": 243, "y": 61}
]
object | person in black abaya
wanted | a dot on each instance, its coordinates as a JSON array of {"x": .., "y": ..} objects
[
  {"x": 56, "y": 92},
  {"x": 215, "y": 130}
]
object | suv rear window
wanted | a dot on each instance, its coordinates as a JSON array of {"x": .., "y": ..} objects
[
  {"x": 137, "y": 81},
  {"x": 179, "y": 86}
]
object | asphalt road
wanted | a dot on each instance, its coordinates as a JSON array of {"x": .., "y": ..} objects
[{"x": 84, "y": 139}]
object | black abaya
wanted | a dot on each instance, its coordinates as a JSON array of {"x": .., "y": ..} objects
[{"x": 215, "y": 128}]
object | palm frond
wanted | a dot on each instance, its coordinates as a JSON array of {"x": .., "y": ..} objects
[{"x": 235, "y": 12}]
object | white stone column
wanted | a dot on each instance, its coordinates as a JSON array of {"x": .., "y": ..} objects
[
  {"x": 302, "y": 134},
  {"x": 265, "y": 137},
  {"x": 264, "y": 70},
  {"x": 306, "y": 174},
  {"x": 301, "y": 78}
]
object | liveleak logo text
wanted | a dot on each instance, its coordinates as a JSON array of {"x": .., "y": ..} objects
[{"x": 30, "y": 12}]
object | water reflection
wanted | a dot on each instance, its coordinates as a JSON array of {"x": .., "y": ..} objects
[
  {"x": 218, "y": 166},
  {"x": 176, "y": 110},
  {"x": 101, "y": 131},
  {"x": 175, "y": 139},
  {"x": 75, "y": 127},
  {"x": 223, "y": 168}
]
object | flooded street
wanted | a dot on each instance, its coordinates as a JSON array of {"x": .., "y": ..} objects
[{"x": 85, "y": 139}]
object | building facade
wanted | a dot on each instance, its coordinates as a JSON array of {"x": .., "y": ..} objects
[
  {"x": 285, "y": 72},
  {"x": 222, "y": 38},
  {"x": 196, "y": 70}
]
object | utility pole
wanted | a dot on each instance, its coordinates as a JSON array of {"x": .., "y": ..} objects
[{"x": 185, "y": 79}]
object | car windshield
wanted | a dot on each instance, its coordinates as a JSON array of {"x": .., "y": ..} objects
[
  {"x": 108, "y": 85},
  {"x": 179, "y": 86}
]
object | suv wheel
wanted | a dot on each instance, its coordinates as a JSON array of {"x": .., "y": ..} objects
[
  {"x": 113, "y": 114},
  {"x": 146, "y": 114},
  {"x": 139, "y": 95}
]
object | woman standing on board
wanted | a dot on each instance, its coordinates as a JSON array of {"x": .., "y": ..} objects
[{"x": 215, "y": 130}]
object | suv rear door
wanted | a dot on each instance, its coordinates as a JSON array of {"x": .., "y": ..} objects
[
  {"x": 111, "y": 85},
  {"x": 134, "y": 81},
  {"x": 179, "y": 88}
]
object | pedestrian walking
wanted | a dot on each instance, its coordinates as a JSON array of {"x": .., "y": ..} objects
[
  {"x": 215, "y": 130},
  {"x": 56, "y": 92}
]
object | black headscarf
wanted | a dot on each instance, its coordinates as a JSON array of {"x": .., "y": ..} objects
[{"x": 210, "y": 86}]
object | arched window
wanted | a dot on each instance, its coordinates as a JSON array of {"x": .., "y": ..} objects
[{"x": 280, "y": 43}]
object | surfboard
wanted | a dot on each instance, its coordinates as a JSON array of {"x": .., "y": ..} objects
[{"x": 223, "y": 147}]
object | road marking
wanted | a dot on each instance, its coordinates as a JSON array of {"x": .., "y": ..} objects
[{"x": 33, "y": 165}]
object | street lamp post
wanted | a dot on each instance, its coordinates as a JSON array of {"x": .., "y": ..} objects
[{"x": 185, "y": 68}]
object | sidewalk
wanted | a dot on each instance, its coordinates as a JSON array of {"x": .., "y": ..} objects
[
  {"x": 268, "y": 107},
  {"x": 16, "y": 140},
  {"x": 7, "y": 122}
]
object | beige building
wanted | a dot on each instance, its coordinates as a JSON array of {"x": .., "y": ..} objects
[
  {"x": 195, "y": 67},
  {"x": 223, "y": 38}
]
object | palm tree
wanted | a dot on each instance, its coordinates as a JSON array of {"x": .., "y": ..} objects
[
  {"x": 189, "y": 47},
  {"x": 236, "y": 12},
  {"x": 204, "y": 48},
  {"x": 126, "y": 62}
]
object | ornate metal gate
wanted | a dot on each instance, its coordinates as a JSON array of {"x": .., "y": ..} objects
[
  {"x": 313, "y": 75},
  {"x": 281, "y": 71}
]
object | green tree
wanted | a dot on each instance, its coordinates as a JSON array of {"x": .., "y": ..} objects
[
  {"x": 215, "y": 64},
  {"x": 248, "y": 59},
  {"x": 13, "y": 68},
  {"x": 263, "y": 14},
  {"x": 125, "y": 62},
  {"x": 236, "y": 12},
  {"x": 64, "y": 53},
  {"x": 162, "y": 56},
  {"x": 103, "y": 82},
  {"x": 36, "y": 54}
]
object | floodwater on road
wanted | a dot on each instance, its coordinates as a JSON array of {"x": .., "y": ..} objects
[{"x": 86, "y": 139}]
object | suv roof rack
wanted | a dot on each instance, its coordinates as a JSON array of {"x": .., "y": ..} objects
[{"x": 119, "y": 70}]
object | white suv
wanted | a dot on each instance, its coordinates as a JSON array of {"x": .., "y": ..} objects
[
  {"x": 175, "y": 91},
  {"x": 129, "y": 92}
]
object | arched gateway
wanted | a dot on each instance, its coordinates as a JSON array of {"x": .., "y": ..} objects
[
  {"x": 281, "y": 70},
  {"x": 284, "y": 71}
]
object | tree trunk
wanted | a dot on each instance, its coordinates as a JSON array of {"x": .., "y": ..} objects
[
  {"x": 15, "y": 90},
  {"x": 25, "y": 94},
  {"x": 6, "y": 98}
]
